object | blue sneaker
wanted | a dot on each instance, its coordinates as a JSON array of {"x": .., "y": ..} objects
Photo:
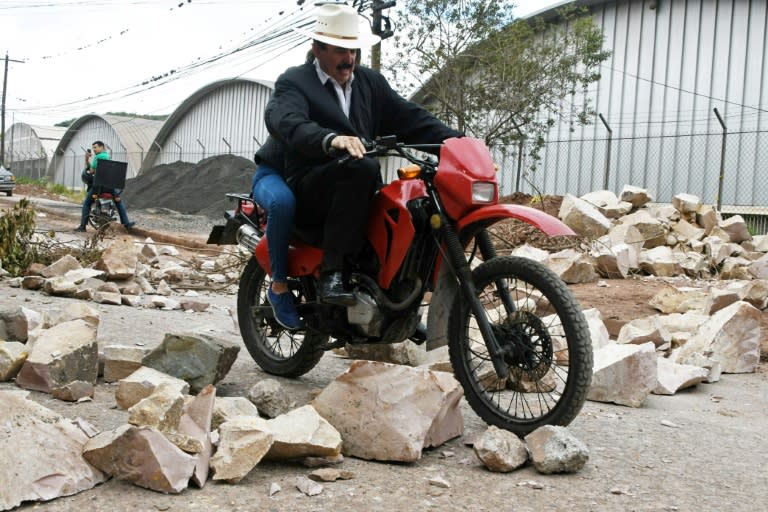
[{"x": 284, "y": 309}]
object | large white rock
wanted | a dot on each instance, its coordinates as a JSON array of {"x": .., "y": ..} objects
[
  {"x": 635, "y": 195},
  {"x": 389, "y": 412},
  {"x": 652, "y": 230},
  {"x": 500, "y": 451},
  {"x": 673, "y": 377},
  {"x": 195, "y": 422},
  {"x": 141, "y": 383},
  {"x": 759, "y": 268},
  {"x": 12, "y": 357},
  {"x": 226, "y": 408},
  {"x": 623, "y": 374},
  {"x": 736, "y": 228},
  {"x": 686, "y": 203},
  {"x": 554, "y": 449},
  {"x": 242, "y": 445},
  {"x": 598, "y": 332},
  {"x": 142, "y": 456},
  {"x": 42, "y": 453},
  {"x": 660, "y": 261},
  {"x": 730, "y": 336},
  {"x": 16, "y": 323},
  {"x": 641, "y": 330},
  {"x": 119, "y": 259},
  {"x": 573, "y": 266},
  {"x": 61, "y": 355},
  {"x": 302, "y": 433},
  {"x": 582, "y": 217},
  {"x": 531, "y": 252}
]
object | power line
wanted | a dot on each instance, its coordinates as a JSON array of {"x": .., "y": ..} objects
[
  {"x": 694, "y": 93},
  {"x": 273, "y": 38}
]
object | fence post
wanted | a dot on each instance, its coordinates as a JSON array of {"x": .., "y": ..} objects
[
  {"x": 201, "y": 145},
  {"x": 519, "y": 164},
  {"x": 177, "y": 145},
  {"x": 519, "y": 155},
  {"x": 227, "y": 143},
  {"x": 608, "y": 153},
  {"x": 722, "y": 161}
]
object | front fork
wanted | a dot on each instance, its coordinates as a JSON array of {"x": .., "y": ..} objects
[
  {"x": 488, "y": 251},
  {"x": 461, "y": 268}
]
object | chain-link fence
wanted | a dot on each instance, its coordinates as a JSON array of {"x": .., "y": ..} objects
[{"x": 723, "y": 169}]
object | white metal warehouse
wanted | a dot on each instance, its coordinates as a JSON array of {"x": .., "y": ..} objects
[{"x": 673, "y": 63}]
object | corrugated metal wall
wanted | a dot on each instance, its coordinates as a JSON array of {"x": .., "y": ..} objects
[
  {"x": 24, "y": 152},
  {"x": 673, "y": 62},
  {"x": 227, "y": 119}
]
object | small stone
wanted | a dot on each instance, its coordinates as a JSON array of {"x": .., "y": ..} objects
[
  {"x": 274, "y": 488},
  {"x": 669, "y": 424},
  {"x": 330, "y": 475},
  {"x": 308, "y": 487},
  {"x": 439, "y": 481},
  {"x": 533, "y": 484}
]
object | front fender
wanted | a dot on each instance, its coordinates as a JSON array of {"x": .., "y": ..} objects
[
  {"x": 488, "y": 215},
  {"x": 447, "y": 287}
]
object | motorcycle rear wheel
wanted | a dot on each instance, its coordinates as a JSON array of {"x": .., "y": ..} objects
[
  {"x": 549, "y": 352},
  {"x": 275, "y": 350},
  {"x": 98, "y": 218}
]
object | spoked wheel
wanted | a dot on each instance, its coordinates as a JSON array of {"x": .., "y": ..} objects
[
  {"x": 544, "y": 335},
  {"x": 275, "y": 349},
  {"x": 99, "y": 219}
]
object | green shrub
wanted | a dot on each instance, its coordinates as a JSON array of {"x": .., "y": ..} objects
[{"x": 16, "y": 229}]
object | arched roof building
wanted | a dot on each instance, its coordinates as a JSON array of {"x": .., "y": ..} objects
[
  {"x": 29, "y": 149},
  {"x": 224, "y": 117},
  {"x": 127, "y": 139}
]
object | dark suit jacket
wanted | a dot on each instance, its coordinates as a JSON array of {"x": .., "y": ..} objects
[
  {"x": 302, "y": 112},
  {"x": 271, "y": 153}
]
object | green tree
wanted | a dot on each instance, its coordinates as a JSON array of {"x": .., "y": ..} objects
[{"x": 494, "y": 77}]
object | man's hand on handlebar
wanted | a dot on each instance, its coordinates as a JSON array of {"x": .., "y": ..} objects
[{"x": 352, "y": 145}]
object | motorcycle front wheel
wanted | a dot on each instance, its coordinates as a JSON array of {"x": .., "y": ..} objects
[
  {"x": 275, "y": 349},
  {"x": 547, "y": 349}
]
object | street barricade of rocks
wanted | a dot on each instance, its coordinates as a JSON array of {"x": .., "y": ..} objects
[{"x": 178, "y": 431}]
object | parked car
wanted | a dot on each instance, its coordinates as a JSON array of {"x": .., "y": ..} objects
[{"x": 7, "y": 181}]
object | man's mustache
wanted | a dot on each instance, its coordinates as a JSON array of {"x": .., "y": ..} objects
[{"x": 344, "y": 66}]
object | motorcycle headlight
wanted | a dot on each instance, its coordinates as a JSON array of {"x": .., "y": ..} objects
[{"x": 483, "y": 192}]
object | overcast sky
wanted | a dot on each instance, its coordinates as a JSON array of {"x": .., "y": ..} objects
[{"x": 97, "y": 56}]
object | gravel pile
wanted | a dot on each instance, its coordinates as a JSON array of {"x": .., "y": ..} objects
[{"x": 192, "y": 190}]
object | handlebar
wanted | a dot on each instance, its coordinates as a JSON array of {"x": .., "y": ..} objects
[{"x": 388, "y": 145}]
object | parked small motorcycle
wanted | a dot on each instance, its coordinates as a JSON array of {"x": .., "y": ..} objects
[{"x": 517, "y": 339}]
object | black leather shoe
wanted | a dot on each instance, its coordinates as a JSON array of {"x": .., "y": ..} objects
[{"x": 331, "y": 290}]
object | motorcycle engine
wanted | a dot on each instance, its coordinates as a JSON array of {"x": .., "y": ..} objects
[{"x": 365, "y": 315}]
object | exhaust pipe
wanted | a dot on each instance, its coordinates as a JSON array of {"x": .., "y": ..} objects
[{"x": 248, "y": 238}]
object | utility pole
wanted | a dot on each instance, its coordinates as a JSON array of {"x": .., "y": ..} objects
[
  {"x": 381, "y": 27},
  {"x": 2, "y": 108}
]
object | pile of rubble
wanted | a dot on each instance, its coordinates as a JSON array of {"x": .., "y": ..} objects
[
  {"x": 177, "y": 432},
  {"x": 632, "y": 236},
  {"x": 139, "y": 276}
]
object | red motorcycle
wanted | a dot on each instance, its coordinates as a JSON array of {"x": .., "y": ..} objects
[{"x": 517, "y": 339}]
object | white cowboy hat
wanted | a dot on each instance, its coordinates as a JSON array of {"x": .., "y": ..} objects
[{"x": 339, "y": 25}]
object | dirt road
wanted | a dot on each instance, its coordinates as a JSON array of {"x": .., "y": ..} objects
[{"x": 700, "y": 450}]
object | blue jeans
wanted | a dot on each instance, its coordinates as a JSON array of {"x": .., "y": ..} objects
[
  {"x": 272, "y": 194},
  {"x": 121, "y": 211},
  {"x": 86, "y": 207}
]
